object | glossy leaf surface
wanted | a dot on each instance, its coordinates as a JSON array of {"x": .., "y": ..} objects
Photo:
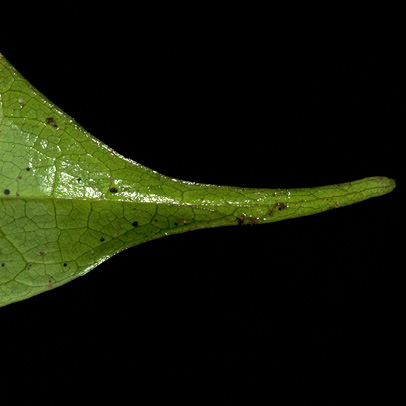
[{"x": 68, "y": 202}]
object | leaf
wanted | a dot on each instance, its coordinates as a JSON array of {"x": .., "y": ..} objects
[{"x": 68, "y": 202}]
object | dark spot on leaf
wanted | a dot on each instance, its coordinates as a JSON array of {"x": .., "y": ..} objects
[
  {"x": 3, "y": 264},
  {"x": 113, "y": 190},
  {"x": 102, "y": 239},
  {"x": 241, "y": 220},
  {"x": 28, "y": 168},
  {"x": 20, "y": 177},
  {"x": 135, "y": 223},
  {"x": 176, "y": 223},
  {"x": 78, "y": 179},
  {"x": 6, "y": 192},
  {"x": 65, "y": 264},
  {"x": 51, "y": 120},
  {"x": 282, "y": 206}
]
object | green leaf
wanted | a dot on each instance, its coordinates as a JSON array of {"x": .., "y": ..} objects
[{"x": 68, "y": 202}]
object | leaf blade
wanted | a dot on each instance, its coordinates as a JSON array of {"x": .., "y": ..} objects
[{"x": 68, "y": 202}]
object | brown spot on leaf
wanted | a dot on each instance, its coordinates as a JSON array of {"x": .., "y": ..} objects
[{"x": 253, "y": 220}]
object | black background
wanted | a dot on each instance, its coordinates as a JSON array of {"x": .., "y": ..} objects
[{"x": 305, "y": 309}]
